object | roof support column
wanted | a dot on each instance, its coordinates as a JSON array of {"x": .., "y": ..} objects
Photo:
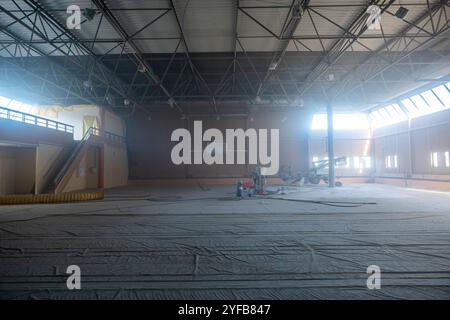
[{"x": 330, "y": 146}]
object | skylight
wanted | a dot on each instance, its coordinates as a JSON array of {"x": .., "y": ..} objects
[
  {"x": 341, "y": 121},
  {"x": 443, "y": 94},
  {"x": 4, "y": 102},
  {"x": 388, "y": 115},
  {"x": 15, "y": 105},
  {"x": 427, "y": 102},
  {"x": 432, "y": 100}
]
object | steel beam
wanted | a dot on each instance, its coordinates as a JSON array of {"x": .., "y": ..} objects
[
  {"x": 402, "y": 54},
  {"x": 356, "y": 29},
  {"x": 77, "y": 55},
  {"x": 237, "y": 75},
  {"x": 101, "y": 5},
  {"x": 290, "y": 26},
  {"x": 330, "y": 145},
  {"x": 194, "y": 70}
]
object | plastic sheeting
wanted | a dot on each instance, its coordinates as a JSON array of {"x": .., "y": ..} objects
[{"x": 202, "y": 243}]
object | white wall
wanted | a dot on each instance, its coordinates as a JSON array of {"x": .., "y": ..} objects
[
  {"x": 347, "y": 143},
  {"x": 116, "y": 166},
  {"x": 114, "y": 124},
  {"x": 7, "y": 170},
  {"x": 85, "y": 176},
  {"x": 17, "y": 170},
  {"x": 73, "y": 115},
  {"x": 46, "y": 156}
]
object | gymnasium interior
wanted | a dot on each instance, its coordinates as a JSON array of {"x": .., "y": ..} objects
[{"x": 225, "y": 149}]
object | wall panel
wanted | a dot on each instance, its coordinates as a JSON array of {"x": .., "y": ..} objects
[{"x": 150, "y": 146}]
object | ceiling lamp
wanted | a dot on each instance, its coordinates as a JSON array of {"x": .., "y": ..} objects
[
  {"x": 297, "y": 10},
  {"x": 89, "y": 13},
  {"x": 87, "y": 84},
  {"x": 171, "y": 102},
  {"x": 109, "y": 99},
  {"x": 273, "y": 65},
  {"x": 401, "y": 13},
  {"x": 142, "y": 68}
]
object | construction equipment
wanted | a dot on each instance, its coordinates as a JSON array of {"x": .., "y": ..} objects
[
  {"x": 253, "y": 186},
  {"x": 259, "y": 181},
  {"x": 313, "y": 175},
  {"x": 239, "y": 189},
  {"x": 256, "y": 186},
  {"x": 316, "y": 174}
]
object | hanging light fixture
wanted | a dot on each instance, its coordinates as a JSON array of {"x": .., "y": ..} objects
[{"x": 401, "y": 13}]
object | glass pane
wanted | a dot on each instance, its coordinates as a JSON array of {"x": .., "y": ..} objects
[
  {"x": 26, "y": 108},
  {"x": 4, "y": 101},
  {"x": 409, "y": 105},
  {"x": 388, "y": 115},
  {"x": 15, "y": 105},
  {"x": 420, "y": 103},
  {"x": 376, "y": 116},
  {"x": 385, "y": 115},
  {"x": 319, "y": 122},
  {"x": 391, "y": 111},
  {"x": 401, "y": 115},
  {"x": 434, "y": 160},
  {"x": 443, "y": 95},
  {"x": 432, "y": 100},
  {"x": 356, "y": 163},
  {"x": 366, "y": 162},
  {"x": 351, "y": 121}
]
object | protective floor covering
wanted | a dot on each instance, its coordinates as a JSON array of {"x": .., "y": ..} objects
[{"x": 199, "y": 242}]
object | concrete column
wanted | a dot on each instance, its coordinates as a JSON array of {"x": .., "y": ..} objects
[{"x": 330, "y": 145}]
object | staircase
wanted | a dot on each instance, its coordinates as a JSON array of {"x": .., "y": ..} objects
[
  {"x": 56, "y": 167},
  {"x": 65, "y": 166}
]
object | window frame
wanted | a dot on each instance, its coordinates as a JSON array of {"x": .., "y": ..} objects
[{"x": 434, "y": 159}]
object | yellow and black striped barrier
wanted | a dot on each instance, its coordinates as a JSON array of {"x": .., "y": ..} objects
[{"x": 51, "y": 198}]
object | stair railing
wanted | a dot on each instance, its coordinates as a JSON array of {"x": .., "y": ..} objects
[{"x": 91, "y": 131}]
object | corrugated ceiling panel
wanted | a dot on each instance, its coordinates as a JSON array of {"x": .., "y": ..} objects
[
  {"x": 209, "y": 25},
  {"x": 89, "y": 28}
]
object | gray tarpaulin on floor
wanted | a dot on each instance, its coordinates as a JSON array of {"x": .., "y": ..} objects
[{"x": 201, "y": 243}]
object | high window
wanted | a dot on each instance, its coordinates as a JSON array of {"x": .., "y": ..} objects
[{"x": 426, "y": 102}]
